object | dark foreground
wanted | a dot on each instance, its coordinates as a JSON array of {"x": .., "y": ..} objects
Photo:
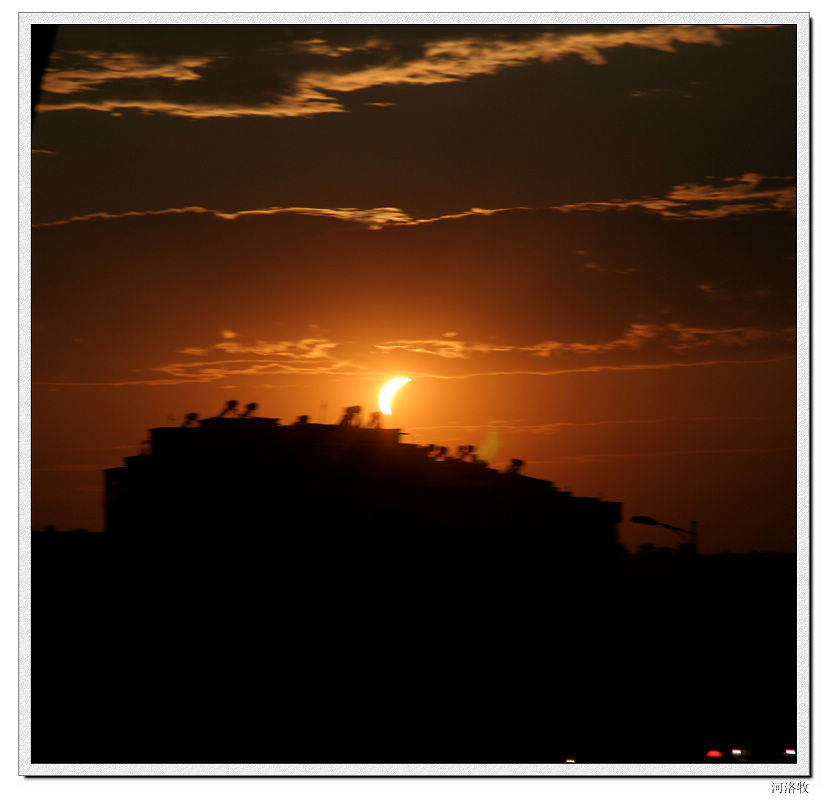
[{"x": 245, "y": 650}]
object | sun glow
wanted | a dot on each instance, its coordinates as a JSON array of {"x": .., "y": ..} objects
[{"x": 386, "y": 394}]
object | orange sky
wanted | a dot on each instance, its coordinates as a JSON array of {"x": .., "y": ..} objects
[{"x": 580, "y": 238}]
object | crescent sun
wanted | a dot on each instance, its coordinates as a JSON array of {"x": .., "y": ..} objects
[{"x": 386, "y": 394}]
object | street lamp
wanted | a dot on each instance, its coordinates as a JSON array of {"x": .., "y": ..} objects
[{"x": 690, "y": 536}]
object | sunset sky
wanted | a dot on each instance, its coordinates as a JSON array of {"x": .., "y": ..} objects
[{"x": 577, "y": 241}]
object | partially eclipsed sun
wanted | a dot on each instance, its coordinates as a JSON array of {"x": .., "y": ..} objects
[{"x": 386, "y": 394}]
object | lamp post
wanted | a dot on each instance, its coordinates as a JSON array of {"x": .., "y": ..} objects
[{"x": 690, "y": 536}]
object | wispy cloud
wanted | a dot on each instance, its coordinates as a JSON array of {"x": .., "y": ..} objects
[
  {"x": 551, "y": 428},
  {"x": 295, "y": 105},
  {"x": 219, "y": 370},
  {"x": 321, "y": 47},
  {"x": 372, "y": 217},
  {"x": 633, "y": 339},
  {"x": 447, "y": 347},
  {"x": 598, "y": 368},
  {"x": 596, "y": 458},
  {"x": 93, "y": 80},
  {"x": 91, "y": 69},
  {"x": 747, "y": 194},
  {"x": 671, "y": 336},
  {"x": 750, "y": 193},
  {"x": 309, "y": 356},
  {"x": 212, "y": 371},
  {"x": 468, "y": 57},
  {"x": 687, "y": 338},
  {"x": 237, "y": 357},
  {"x": 309, "y": 349}
]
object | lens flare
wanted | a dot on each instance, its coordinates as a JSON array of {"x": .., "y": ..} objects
[
  {"x": 386, "y": 394},
  {"x": 487, "y": 450}
]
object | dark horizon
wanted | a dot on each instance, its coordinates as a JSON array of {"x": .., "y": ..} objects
[{"x": 330, "y": 594}]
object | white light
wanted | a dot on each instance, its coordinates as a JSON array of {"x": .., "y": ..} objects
[
  {"x": 790, "y": 752},
  {"x": 570, "y": 761},
  {"x": 736, "y": 752}
]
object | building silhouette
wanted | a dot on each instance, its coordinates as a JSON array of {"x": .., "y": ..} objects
[
  {"x": 230, "y": 473},
  {"x": 305, "y": 593}
]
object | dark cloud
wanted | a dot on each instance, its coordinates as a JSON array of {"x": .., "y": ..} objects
[
  {"x": 280, "y": 77},
  {"x": 537, "y": 134}
]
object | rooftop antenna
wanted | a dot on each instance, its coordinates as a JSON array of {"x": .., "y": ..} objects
[
  {"x": 189, "y": 419},
  {"x": 229, "y": 408},
  {"x": 249, "y": 409},
  {"x": 514, "y": 466},
  {"x": 350, "y": 417}
]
